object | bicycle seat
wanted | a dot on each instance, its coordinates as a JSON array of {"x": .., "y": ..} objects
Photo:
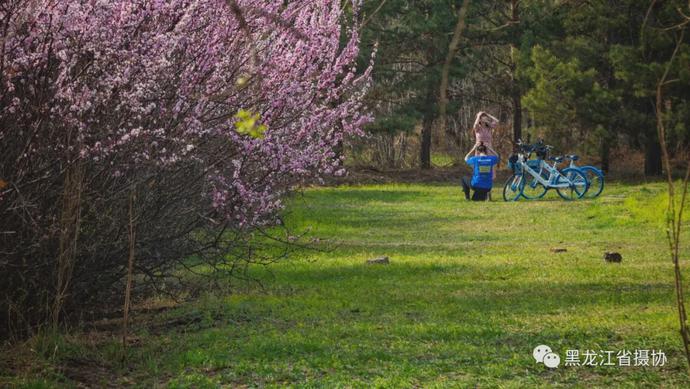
[
  {"x": 573, "y": 157},
  {"x": 556, "y": 159}
]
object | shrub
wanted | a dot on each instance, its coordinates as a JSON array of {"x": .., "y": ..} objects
[{"x": 173, "y": 126}]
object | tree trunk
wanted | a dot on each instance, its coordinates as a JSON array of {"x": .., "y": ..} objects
[
  {"x": 514, "y": 56},
  {"x": 652, "y": 157},
  {"x": 445, "y": 72},
  {"x": 425, "y": 148},
  {"x": 70, "y": 219},
  {"x": 130, "y": 271},
  {"x": 428, "y": 121},
  {"x": 517, "y": 114},
  {"x": 605, "y": 154}
]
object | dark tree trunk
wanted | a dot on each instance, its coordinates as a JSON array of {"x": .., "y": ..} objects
[
  {"x": 517, "y": 115},
  {"x": 514, "y": 56},
  {"x": 425, "y": 149},
  {"x": 609, "y": 137},
  {"x": 605, "y": 154},
  {"x": 427, "y": 124},
  {"x": 339, "y": 149},
  {"x": 652, "y": 157}
]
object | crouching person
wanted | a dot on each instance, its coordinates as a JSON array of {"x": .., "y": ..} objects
[{"x": 482, "y": 177}]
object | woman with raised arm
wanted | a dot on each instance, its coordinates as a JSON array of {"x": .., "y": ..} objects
[{"x": 483, "y": 127}]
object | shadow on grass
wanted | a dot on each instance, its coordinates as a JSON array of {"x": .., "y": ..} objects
[
  {"x": 367, "y": 321},
  {"x": 485, "y": 288}
]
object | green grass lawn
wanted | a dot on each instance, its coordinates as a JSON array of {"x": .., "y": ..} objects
[{"x": 471, "y": 289}]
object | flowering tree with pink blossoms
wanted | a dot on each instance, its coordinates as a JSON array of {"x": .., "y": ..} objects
[{"x": 183, "y": 123}]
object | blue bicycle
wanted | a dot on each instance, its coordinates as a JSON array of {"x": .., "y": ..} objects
[
  {"x": 595, "y": 177},
  {"x": 532, "y": 178}
]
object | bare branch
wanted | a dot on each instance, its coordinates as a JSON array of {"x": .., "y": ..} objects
[{"x": 368, "y": 19}]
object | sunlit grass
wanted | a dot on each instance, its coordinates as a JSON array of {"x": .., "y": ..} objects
[{"x": 471, "y": 289}]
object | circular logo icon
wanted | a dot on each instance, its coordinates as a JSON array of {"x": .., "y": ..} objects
[
  {"x": 552, "y": 360},
  {"x": 540, "y": 351}
]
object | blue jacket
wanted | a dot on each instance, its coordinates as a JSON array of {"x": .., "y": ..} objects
[{"x": 483, "y": 166}]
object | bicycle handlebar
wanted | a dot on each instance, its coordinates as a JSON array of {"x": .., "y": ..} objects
[{"x": 539, "y": 147}]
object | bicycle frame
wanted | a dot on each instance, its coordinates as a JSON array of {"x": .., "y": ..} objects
[
  {"x": 553, "y": 175},
  {"x": 575, "y": 166}
]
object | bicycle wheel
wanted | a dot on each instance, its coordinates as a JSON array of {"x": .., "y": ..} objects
[
  {"x": 577, "y": 184},
  {"x": 511, "y": 189},
  {"x": 596, "y": 181},
  {"x": 579, "y": 181},
  {"x": 532, "y": 189}
]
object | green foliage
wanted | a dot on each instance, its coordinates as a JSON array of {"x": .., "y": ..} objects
[
  {"x": 565, "y": 98},
  {"x": 413, "y": 38},
  {"x": 248, "y": 124},
  {"x": 586, "y": 71},
  {"x": 639, "y": 76},
  {"x": 398, "y": 122}
]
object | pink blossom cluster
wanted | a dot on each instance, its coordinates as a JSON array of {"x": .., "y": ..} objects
[{"x": 155, "y": 84}]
